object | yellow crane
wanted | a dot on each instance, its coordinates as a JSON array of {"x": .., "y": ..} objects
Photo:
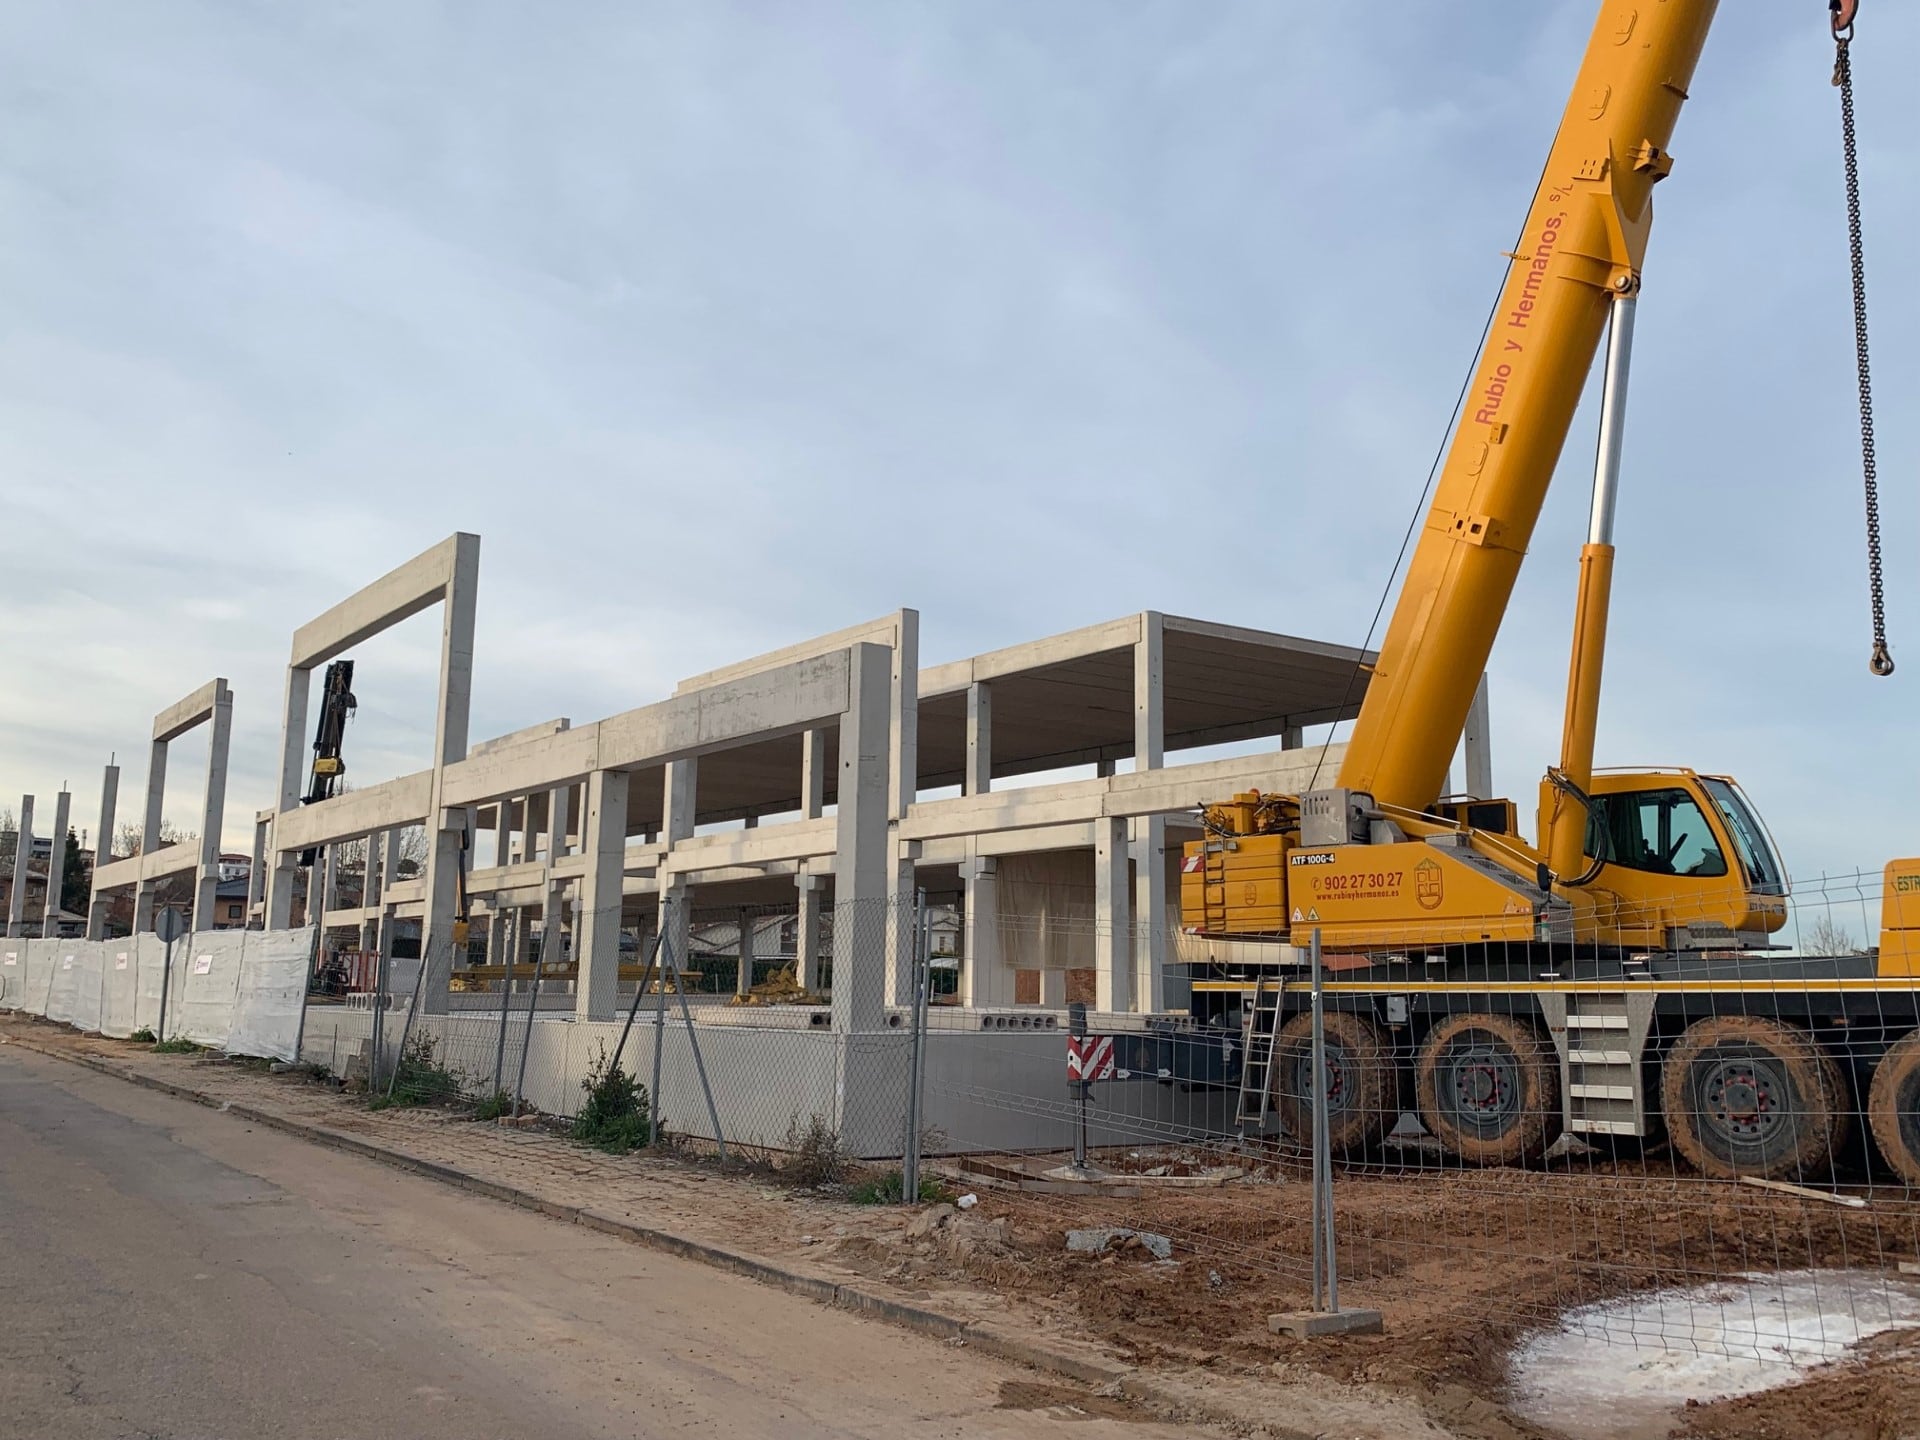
[{"x": 1474, "y": 968}]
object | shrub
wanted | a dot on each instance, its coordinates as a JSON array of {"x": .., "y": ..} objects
[
  {"x": 494, "y": 1106},
  {"x": 176, "y": 1046},
  {"x": 614, "y": 1118},
  {"x": 144, "y": 1035},
  {"x": 885, "y": 1190},
  {"x": 421, "y": 1078},
  {"x": 815, "y": 1155}
]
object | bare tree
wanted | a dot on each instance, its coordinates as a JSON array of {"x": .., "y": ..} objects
[
  {"x": 413, "y": 851},
  {"x": 9, "y": 835},
  {"x": 128, "y": 837},
  {"x": 1825, "y": 937}
]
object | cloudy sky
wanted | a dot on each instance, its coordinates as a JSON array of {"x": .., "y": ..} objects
[{"x": 730, "y": 324}]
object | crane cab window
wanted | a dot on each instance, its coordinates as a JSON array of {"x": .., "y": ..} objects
[{"x": 1662, "y": 832}]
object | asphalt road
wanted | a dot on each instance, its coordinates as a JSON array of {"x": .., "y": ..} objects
[{"x": 174, "y": 1273}]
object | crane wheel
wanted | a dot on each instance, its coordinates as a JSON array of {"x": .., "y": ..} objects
[
  {"x": 1893, "y": 1108},
  {"x": 1362, "y": 1084},
  {"x": 1489, "y": 1089},
  {"x": 1750, "y": 1096}
]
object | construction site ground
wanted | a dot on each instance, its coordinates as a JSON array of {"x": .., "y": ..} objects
[{"x": 1463, "y": 1265}]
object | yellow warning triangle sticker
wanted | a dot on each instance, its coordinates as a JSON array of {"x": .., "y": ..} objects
[
  {"x": 1313, "y": 914},
  {"x": 1297, "y": 915}
]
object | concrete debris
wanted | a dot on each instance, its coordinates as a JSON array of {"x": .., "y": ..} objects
[
  {"x": 1098, "y": 1240},
  {"x": 806, "y": 1240},
  {"x": 929, "y": 1220},
  {"x": 968, "y": 1201}
]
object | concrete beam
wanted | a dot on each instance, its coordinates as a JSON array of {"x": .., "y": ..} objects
[
  {"x": 544, "y": 730},
  {"x": 390, "y": 805},
  {"x": 884, "y": 630},
  {"x": 400, "y": 594},
  {"x": 181, "y": 716},
  {"x": 1101, "y": 639},
  {"x": 1167, "y": 791}
]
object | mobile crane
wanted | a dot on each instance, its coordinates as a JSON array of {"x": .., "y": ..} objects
[{"x": 1618, "y": 977}]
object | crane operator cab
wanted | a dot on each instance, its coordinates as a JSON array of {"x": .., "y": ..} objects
[{"x": 1677, "y": 860}]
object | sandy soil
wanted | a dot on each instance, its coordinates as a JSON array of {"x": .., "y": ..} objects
[{"x": 1461, "y": 1263}]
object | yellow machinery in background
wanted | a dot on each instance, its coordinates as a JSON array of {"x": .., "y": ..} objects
[{"x": 1617, "y": 977}]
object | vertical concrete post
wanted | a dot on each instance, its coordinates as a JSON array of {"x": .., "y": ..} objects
[
  {"x": 813, "y": 774},
  {"x": 97, "y": 900},
  {"x": 1112, "y": 918},
  {"x": 979, "y": 776},
  {"x": 213, "y": 809},
  {"x": 861, "y": 916},
  {"x": 984, "y": 980},
  {"x": 1292, "y": 737},
  {"x": 596, "y": 941},
  {"x": 806, "y": 945},
  {"x": 502, "y": 835},
  {"x": 448, "y": 830},
  {"x": 743, "y": 965},
  {"x": 22, "y": 853},
  {"x": 1479, "y": 745},
  {"x": 1053, "y": 987},
  {"x": 56, "y": 868},
  {"x": 293, "y": 754},
  {"x": 529, "y": 835},
  {"x": 257, "y": 872},
  {"x": 903, "y": 779},
  {"x": 680, "y": 785},
  {"x": 1150, "y": 832}
]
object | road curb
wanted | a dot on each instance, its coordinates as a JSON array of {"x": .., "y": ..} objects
[{"x": 933, "y": 1323}]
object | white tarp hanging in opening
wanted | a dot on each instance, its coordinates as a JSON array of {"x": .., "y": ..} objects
[{"x": 1046, "y": 910}]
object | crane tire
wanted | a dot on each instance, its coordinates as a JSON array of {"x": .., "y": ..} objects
[
  {"x": 1489, "y": 1089},
  {"x": 1363, "y": 1085},
  {"x": 1893, "y": 1108},
  {"x": 1745, "y": 1095}
]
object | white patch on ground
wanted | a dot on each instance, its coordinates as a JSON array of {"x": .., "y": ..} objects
[{"x": 1622, "y": 1368}]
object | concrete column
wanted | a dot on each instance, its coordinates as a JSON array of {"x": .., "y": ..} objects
[
  {"x": 1479, "y": 745},
  {"x": 681, "y": 788},
  {"x": 813, "y": 774},
  {"x": 529, "y": 836},
  {"x": 807, "y": 932},
  {"x": 293, "y": 754},
  {"x": 1149, "y": 832},
  {"x": 103, "y": 853},
  {"x": 1103, "y": 769},
  {"x": 979, "y": 776},
  {"x": 448, "y": 830},
  {"x": 743, "y": 967},
  {"x": 1112, "y": 918},
  {"x": 496, "y": 936},
  {"x": 1053, "y": 987},
  {"x": 213, "y": 809},
  {"x": 1292, "y": 737},
  {"x": 22, "y": 853},
  {"x": 860, "y": 912},
  {"x": 56, "y": 867},
  {"x": 603, "y": 837},
  {"x": 675, "y": 922},
  {"x": 502, "y": 834},
  {"x": 257, "y": 872},
  {"x": 984, "y": 980},
  {"x": 903, "y": 774}
]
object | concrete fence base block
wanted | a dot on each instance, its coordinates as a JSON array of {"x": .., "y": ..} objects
[{"x": 1311, "y": 1324}]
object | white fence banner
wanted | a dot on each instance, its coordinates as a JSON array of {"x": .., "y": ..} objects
[{"x": 272, "y": 993}]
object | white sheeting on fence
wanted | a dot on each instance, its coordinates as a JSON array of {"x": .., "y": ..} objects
[{"x": 236, "y": 990}]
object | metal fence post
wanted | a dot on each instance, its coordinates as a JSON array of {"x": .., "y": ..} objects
[
  {"x": 660, "y": 954},
  {"x": 520, "y": 1077},
  {"x": 1322, "y": 1222},
  {"x": 506, "y": 998},
  {"x": 910, "y": 1152}
]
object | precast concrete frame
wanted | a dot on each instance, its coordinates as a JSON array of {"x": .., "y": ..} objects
[
  {"x": 448, "y": 575},
  {"x": 212, "y": 702}
]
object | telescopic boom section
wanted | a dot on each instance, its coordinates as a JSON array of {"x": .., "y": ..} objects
[{"x": 1584, "y": 240}]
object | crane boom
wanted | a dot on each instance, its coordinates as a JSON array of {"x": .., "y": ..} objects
[{"x": 1582, "y": 245}]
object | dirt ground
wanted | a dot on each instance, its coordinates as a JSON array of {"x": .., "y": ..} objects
[{"x": 1462, "y": 1264}]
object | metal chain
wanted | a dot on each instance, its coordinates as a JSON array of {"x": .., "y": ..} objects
[{"x": 1882, "y": 661}]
